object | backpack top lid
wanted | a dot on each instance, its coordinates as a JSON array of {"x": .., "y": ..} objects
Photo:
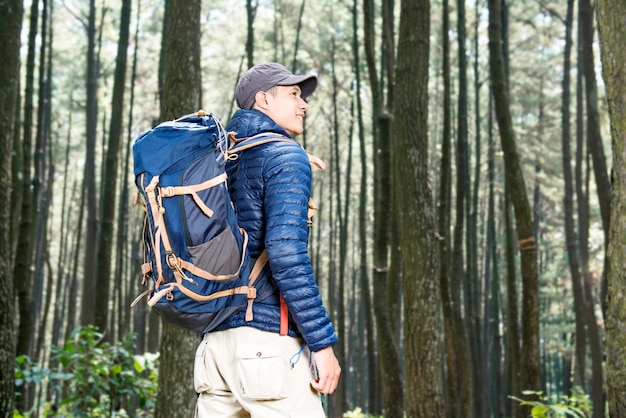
[{"x": 171, "y": 141}]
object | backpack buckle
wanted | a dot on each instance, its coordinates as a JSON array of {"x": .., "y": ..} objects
[{"x": 172, "y": 260}]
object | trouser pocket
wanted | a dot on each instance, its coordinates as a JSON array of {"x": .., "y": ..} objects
[
  {"x": 200, "y": 368},
  {"x": 263, "y": 371}
]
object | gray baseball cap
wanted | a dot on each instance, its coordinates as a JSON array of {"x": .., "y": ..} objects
[{"x": 262, "y": 77}]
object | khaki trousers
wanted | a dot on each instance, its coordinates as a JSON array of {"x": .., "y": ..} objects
[{"x": 245, "y": 372}]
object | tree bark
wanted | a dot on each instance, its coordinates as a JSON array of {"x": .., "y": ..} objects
[
  {"x": 393, "y": 285},
  {"x": 571, "y": 236},
  {"x": 72, "y": 319},
  {"x": 458, "y": 279},
  {"x": 23, "y": 264},
  {"x": 479, "y": 289},
  {"x": 125, "y": 259},
  {"x": 530, "y": 371},
  {"x": 581, "y": 185},
  {"x": 62, "y": 273},
  {"x": 181, "y": 95},
  {"x": 250, "y": 13},
  {"x": 594, "y": 138},
  {"x": 10, "y": 29},
  {"x": 109, "y": 180},
  {"x": 596, "y": 149},
  {"x": 416, "y": 224},
  {"x": 339, "y": 401},
  {"x": 294, "y": 62},
  {"x": 443, "y": 222},
  {"x": 512, "y": 295},
  {"x": 389, "y": 354},
  {"x": 43, "y": 268},
  {"x": 611, "y": 15},
  {"x": 389, "y": 357},
  {"x": 91, "y": 193},
  {"x": 371, "y": 400},
  {"x": 494, "y": 376}
]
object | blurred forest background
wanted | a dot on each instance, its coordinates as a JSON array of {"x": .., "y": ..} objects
[{"x": 463, "y": 224}]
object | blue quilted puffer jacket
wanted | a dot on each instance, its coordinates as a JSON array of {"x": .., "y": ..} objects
[{"x": 270, "y": 185}]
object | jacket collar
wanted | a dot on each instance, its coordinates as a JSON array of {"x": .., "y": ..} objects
[{"x": 247, "y": 123}]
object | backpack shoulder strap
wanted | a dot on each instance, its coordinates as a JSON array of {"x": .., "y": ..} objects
[
  {"x": 242, "y": 144},
  {"x": 246, "y": 143}
]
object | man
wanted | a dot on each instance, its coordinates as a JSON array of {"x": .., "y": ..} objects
[{"x": 247, "y": 368}]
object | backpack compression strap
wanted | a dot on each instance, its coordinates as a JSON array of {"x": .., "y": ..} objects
[
  {"x": 193, "y": 190},
  {"x": 176, "y": 263},
  {"x": 259, "y": 264},
  {"x": 258, "y": 267}
]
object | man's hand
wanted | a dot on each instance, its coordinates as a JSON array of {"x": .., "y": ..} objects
[{"x": 328, "y": 371}]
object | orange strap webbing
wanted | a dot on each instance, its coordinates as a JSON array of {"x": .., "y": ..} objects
[{"x": 284, "y": 318}]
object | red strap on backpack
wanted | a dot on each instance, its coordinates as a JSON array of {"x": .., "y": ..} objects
[{"x": 284, "y": 320}]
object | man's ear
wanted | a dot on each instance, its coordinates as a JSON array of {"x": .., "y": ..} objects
[{"x": 260, "y": 100}]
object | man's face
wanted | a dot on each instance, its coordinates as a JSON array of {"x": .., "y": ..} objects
[{"x": 285, "y": 106}]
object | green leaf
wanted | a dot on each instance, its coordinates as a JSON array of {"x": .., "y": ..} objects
[{"x": 539, "y": 411}]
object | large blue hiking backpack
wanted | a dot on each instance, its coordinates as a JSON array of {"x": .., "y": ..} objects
[{"x": 195, "y": 253}]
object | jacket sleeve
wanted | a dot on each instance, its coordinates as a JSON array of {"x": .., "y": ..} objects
[{"x": 287, "y": 175}]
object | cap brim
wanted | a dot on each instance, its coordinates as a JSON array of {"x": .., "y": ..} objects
[{"x": 307, "y": 83}]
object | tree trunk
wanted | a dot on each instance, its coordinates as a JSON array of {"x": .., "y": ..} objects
[
  {"x": 72, "y": 319},
  {"x": 443, "y": 221},
  {"x": 371, "y": 403},
  {"x": 47, "y": 276},
  {"x": 458, "y": 279},
  {"x": 530, "y": 372},
  {"x": 389, "y": 357},
  {"x": 495, "y": 379},
  {"x": 294, "y": 62},
  {"x": 596, "y": 149},
  {"x": 21, "y": 201},
  {"x": 594, "y": 138},
  {"x": 513, "y": 338},
  {"x": 595, "y": 348},
  {"x": 568, "y": 204},
  {"x": 109, "y": 180},
  {"x": 181, "y": 95},
  {"x": 480, "y": 290},
  {"x": 36, "y": 285},
  {"x": 250, "y": 13},
  {"x": 17, "y": 168},
  {"x": 61, "y": 273},
  {"x": 416, "y": 223},
  {"x": 582, "y": 201},
  {"x": 39, "y": 201},
  {"x": 389, "y": 354},
  {"x": 611, "y": 15},
  {"x": 44, "y": 265},
  {"x": 512, "y": 298},
  {"x": 339, "y": 401},
  {"x": 10, "y": 30},
  {"x": 91, "y": 194},
  {"x": 393, "y": 285},
  {"x": 125, "y": 259},
  {"x": 23, "y": 264}
]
